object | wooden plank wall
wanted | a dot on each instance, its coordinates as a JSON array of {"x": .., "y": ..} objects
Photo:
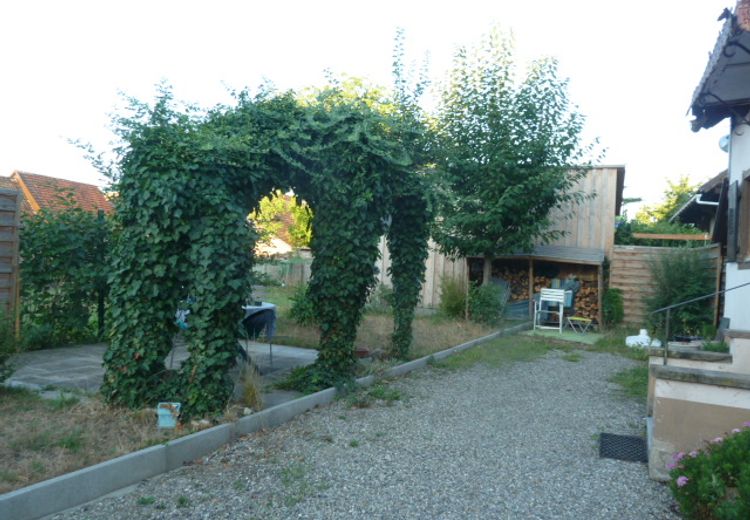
[
  {"x": 437, "y": 267},
  {"x": 590, "y": 224},
  {"x": 10, "y": 214},
  {"x": 630, "y": 271}
]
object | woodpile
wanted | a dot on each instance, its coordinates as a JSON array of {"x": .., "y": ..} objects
[
  {"x": 587, "y": 299},
  {"x": 518, "y": 280}
]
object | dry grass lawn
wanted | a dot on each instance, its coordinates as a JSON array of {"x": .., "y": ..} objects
[
  {"x": 431, "y": 333},
  {"x": 41, "y": 438}
]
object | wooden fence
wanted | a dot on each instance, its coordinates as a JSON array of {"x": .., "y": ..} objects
[
  {"x": 437, "y": 267},
  {"x": 290, "y": 271},
  {"x": 10, "y": 213},
  {"x": 630, "y": 271}
]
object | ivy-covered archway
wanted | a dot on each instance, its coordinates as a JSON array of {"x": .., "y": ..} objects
[{"x": 186, "y": 183}]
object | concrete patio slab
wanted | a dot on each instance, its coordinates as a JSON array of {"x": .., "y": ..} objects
[{"x": 80, "y": 367}]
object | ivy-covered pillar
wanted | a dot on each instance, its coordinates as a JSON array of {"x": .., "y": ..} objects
[
  {"x": 220, "y": 264},
  {"x": 145, "y": 284},
  {"x": 407, "y": 244},
  {"x": 345, "y": 249}
]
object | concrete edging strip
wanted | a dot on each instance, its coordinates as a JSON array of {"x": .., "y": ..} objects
[{"x": 87, "y": 484}]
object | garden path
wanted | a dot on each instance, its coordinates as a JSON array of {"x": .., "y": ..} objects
[{"x": 507, "y": 442}]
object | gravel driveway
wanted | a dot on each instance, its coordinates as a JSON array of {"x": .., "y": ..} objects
[{"x": 511, "y": 442}]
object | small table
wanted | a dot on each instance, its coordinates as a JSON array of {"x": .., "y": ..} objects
[
  {"x": 269, "y": 325},
  {"x": 580, "y": 324},
  {"x": 251, "y": 310}
]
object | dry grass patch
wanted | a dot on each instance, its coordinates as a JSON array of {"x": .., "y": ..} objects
[
  {"x": 40, "y": 438},
  {"x": 431, "y": 333}
]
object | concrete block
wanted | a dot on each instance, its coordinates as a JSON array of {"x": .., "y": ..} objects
[
  {"x": 196, "y": 445},
  {"x": 272, "y": 417},
  {"x": 84, "y": 485}
]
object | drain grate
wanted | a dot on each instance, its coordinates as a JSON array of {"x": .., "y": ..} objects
[{"x": 622, "y": 447}]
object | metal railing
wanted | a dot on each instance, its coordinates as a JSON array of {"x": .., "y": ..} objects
[{"x": 669, "y": 308}]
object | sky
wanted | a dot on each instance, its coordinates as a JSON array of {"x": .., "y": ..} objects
[{"x": 632, "y": 66}]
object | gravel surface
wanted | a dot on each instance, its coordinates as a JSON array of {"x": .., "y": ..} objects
[{"x": 512, "y": 442}]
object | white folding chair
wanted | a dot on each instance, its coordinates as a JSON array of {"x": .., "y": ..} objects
[{"x": 552, "y": 297}]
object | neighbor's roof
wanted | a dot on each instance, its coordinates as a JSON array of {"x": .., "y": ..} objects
[
  {"x": 710, "y": 189},
  {"x": 42, "y": 192},
  {"x": 725, "y": 83}
]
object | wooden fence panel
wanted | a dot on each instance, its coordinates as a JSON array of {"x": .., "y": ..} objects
[
  {"x": 630, "y": 271},
  {"x": 10, "y": 215}
]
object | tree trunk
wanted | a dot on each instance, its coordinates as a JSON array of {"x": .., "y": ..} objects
[{"x": 487, "y": 272}]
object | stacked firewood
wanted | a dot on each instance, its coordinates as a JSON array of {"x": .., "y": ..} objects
[
  {"x": 518, "y": 280},
  {"x": 587, "y": 300}
]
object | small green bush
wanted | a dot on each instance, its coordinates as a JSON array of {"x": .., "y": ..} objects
[
  {"x": 716, "y": 346},
  {"x": 714, "y": 483},
  {"x": 7, "y": 345},
  {"x": 303, "y": 308},
  {"x": 381, "y": 299},
  {"x": 452, "y": 297},
  {"x": 680, "y": 276},
  {"x": 486, "y": 303},
  {"x": 613, "y": 310}
]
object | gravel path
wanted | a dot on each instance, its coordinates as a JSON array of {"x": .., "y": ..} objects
[{"x": 514, "y": 442}]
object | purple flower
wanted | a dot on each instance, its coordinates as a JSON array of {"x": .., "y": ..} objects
[
  {"x": 682, "y": 480},
  {"x": 677, "y": 457},
  {"x": 671, "y": 465},
  {"x": 718, "y": 440},
  {"x": 746, "y": 424},
  {"x": 693, "y": 454},
  {"x": 736, "y": 430}
]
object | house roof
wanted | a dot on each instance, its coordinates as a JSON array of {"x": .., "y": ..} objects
[
  {"x": 42, "y": 192},
  {"x": 724, "y": 84},
  {"x": 696, "y": 210}
]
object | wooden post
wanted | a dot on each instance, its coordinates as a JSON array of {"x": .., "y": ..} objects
[
  {"x": 717, "y": 299},
  {"x": 600, "y": 295},
  {"x": 531, "y": 287},
  {"x": 467, "y": 283}
]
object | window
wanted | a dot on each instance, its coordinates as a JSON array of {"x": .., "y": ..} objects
[{"x": 743, "y": 219}]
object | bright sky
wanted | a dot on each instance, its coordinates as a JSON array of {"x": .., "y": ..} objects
[{"x": 632, "y": 65}]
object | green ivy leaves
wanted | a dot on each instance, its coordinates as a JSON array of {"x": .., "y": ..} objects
[{"x": 185, "y": 187}]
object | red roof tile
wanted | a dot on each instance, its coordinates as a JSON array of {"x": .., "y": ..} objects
[{"x": 51, "y": 193}]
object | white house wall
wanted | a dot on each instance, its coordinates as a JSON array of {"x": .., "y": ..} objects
[{"x": 737, "y": 303}]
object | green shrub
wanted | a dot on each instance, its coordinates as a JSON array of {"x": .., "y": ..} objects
[
  {"x": 486, "y": 303},
  {"x": 452, "y": 297},
  {"x": 679, "y": 276},
  {"x": 7, "y": 345},
  {"x": 716, "y": 346},
  {"x": 381, "y": 299},
  {"x": 64, "y": 271},
  {"x": 714, "y": 483},
  {"x": 613, "y": 310},
  {"x": 303, "y": 308}
]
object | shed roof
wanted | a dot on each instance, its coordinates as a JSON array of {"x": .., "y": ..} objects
[{"x": 565, "y": 254}]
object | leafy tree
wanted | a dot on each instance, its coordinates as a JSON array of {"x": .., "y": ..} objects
[
  {"x": 283, "y": 216},
  {"x": 675, "y": 196},
  {"x": 508, "y": 151}
]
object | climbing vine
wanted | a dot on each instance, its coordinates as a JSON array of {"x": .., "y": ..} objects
[
  {"x": 407, "y": 244},
  {"x": 186, "y": 183}
]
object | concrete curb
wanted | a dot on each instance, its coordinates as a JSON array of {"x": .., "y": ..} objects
[{"x": 87, "y": 484}]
